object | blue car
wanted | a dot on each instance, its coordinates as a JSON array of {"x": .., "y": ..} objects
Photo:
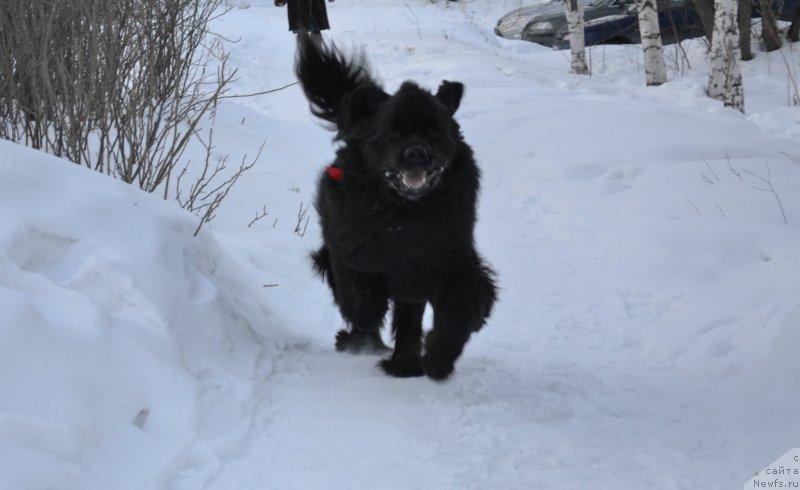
[{"x": 616, "y": 22}]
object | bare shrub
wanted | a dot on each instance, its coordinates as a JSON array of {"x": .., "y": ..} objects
[
  {"x": 119, "y": 86},
  {"x": 206, "y": 192}
]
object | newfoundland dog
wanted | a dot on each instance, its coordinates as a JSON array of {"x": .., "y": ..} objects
[{"x": 397, "y": 210}]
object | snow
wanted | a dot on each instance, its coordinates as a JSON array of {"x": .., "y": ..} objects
[{"x": 646, "y": 337}]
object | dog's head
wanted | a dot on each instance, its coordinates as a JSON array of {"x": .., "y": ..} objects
[{"x": 409, "y": 138}]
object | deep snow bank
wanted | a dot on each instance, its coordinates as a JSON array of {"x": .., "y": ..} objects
[{"x": 121, "y": 335}]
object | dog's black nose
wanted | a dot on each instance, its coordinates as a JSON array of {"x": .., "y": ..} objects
[{"x": 416, "y": 156}]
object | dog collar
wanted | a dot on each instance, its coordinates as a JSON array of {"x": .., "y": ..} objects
[{"x": 334, "y": 173}]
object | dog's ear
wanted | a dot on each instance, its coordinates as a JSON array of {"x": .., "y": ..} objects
[
  {"x": 450, "y": 94},
  {"x": 362, "y": 102}
]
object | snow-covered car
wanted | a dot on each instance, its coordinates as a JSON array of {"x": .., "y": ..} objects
[{"x": 605, "y": 22}]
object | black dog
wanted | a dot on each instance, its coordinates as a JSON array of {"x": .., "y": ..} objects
[{"x": 397, "y": 209}]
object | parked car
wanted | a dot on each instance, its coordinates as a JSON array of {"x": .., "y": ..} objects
[
  {"x": 616, "y": 21},
  {"x": 605, "y": 22}
]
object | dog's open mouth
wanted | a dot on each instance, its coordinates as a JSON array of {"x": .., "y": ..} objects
[
  {"x": 416, "y": 182},
  {"x": 414, "y": 179}
]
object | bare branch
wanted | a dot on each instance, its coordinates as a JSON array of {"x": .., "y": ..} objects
[
  {"x": 710, "y": 169},
  {"x": 793, "y": 158},
  {"x": 302, "y": 220},
  {"x": 693, "y": 206},
  {"x": 769, "y": 188},
  {"x": 259, "y": 93},
  {"x": 259, "y": 215},
  {"x": 733, "y": 170}
]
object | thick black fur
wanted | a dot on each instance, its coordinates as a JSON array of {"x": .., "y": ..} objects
[{"x": 398, "y": 225}]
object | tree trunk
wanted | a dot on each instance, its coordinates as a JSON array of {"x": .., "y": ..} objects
[
  {"x": 574, "y": 11},
  {"x": 745, "y": 31},
  {"x": 705, "y": 11},
  {"x": 769, "y": 27},
  {"x": 725, "y": 76},
  {"x": 654, "y": 69},
  {"x": 794, "y": 30}
]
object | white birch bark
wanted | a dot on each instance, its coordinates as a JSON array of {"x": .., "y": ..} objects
[
  {"x": 724, "y": 72},
  {"x": 574, "y": 11},
  {"x": 654, "y": 68}
]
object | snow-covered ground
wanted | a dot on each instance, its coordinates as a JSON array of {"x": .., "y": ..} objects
[{"x": 647, "y": 334}]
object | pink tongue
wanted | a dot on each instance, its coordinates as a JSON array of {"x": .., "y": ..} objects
[{"x": 413, "y": 179}]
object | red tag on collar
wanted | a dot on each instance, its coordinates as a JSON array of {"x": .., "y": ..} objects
[{"x": 335, "y": 173}]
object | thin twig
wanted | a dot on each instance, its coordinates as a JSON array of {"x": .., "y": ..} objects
[
  {"x": 793, "y": 158},
  {"x": 259, "y": 93},
  {"x": 302, "y": 220},
  {"x": 259, "y": 214},
  {"x": 733, "y": 170},
  {"x": 710, "y": 169},
  {"x": 693, "y": 205},
  {"x": 768, "y": 182}
]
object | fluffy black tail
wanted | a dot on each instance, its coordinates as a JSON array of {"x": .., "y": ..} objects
[{"x": 327, "y": 77}]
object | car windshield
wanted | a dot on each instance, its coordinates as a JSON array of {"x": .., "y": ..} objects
[{"x": 598, "y": 3}]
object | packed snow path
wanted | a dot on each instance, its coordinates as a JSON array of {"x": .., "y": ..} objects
[{"x": 646, "y": 334}]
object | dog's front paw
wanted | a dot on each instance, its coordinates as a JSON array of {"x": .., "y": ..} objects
[
  {"x": 437, "y": 367},
  {"x": 409, "y": 366},
  {"x": 360, "y": 342},
  {"x": 440, "y": 356}
]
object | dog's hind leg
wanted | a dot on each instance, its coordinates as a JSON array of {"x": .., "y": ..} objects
[
  {"x": 460, "y": 308},
  {"x": 406, "y": 361},
  {"x": 321, "y": 262},
  {"x": 363, "y": 300}
]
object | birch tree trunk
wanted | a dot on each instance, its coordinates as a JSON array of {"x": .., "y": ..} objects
[
  {"x": 724, "y": 73},
  {"x": 654, "y": 69},
  {"x": 705, "y": 10},
  {"x": 574, "y": 11}
]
